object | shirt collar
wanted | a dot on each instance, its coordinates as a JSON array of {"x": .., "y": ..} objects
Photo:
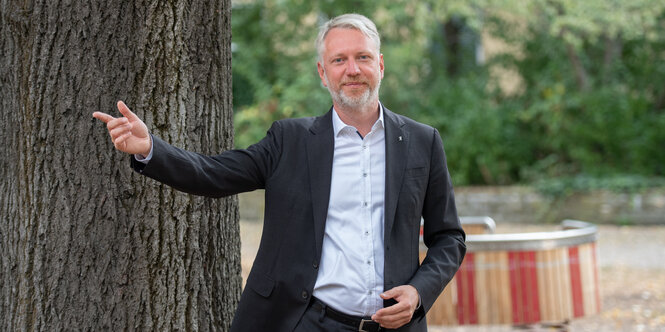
[{"x": 338, "y": 124}]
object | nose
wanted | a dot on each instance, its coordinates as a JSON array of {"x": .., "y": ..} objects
[{"x": 352, "y": 68}]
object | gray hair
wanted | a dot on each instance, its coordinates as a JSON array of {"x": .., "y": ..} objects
[{"x": 348, "y": 21}]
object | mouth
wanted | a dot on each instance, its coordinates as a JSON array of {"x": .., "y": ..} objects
[{"x": 354, "y": 84}]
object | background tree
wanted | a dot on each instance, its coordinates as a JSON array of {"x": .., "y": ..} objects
[{"x": 85, "y": 244}]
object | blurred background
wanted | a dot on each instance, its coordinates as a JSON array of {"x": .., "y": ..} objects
[
  {"x": 548, "y": 109},
  {"x": 521, "y": 91}
]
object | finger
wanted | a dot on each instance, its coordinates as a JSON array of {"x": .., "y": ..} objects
[
  {"x": 405, "y": 294},
  {"x": 392, "y": 310},
  {"x": 392, "y": 320},
  {"x": 102, "y": 116},
  {"x": 126, "y": 111},
  {"x": 119, "y": 131},
  {"x": 394, "y": 325},
  {"x": 389, "y": 294},
  {"x": 117, "y": 122},
  {"x": 118, "y": 141}
]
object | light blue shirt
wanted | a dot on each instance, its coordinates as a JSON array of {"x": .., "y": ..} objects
[{"x": 350, "y": 276}]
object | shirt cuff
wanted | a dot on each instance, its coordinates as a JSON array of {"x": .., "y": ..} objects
[{"x": 144, "y": 159}]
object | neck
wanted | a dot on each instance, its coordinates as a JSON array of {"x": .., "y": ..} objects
[{"x": 361, "y": 118}]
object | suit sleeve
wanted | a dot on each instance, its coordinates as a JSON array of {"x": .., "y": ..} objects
[
  {"x": 228, "y": 173},
  {"x": 442, "y": 232}
]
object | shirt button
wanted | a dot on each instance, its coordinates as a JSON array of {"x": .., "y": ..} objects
[
  {"x": 365, "y": 175},
  {"x": 304, "y": 294},
  {"x": 366, "y": 233},
  {"x": 364, "y": 203}
]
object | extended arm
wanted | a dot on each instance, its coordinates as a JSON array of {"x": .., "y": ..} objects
[{"x": 225, "y": 174}]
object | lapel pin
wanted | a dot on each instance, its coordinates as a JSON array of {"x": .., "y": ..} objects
[{"x": 399, "y": 138}]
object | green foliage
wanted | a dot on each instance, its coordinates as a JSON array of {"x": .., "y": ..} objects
[
  {"x": 599, "y": 117},
  {"x": 588, "y": 77}
]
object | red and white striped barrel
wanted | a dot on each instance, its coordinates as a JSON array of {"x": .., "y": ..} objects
[{"x": 523, "y": 278}]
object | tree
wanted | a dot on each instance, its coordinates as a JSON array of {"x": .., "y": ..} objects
[{"x": 85, "y": 244}]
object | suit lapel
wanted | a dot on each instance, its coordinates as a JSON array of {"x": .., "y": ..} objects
[
  {"x": 320, "y": 148},
  {"x": 397, "y": 140}
]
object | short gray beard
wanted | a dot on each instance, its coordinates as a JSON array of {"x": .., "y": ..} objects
[{"x": 356, "y": 103}]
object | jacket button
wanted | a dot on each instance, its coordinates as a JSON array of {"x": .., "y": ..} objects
[
  {"x": 315, "y": 265},
  {"x": 305, "y": 294}
]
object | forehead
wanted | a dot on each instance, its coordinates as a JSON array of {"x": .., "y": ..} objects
[{"x": 342, "y": 40}]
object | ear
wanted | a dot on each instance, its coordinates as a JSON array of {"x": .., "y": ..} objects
[
  {"x": 321, "y": 71},
  {"x": 381, "y": 66}
]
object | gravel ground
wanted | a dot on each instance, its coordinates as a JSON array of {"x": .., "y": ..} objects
[{"x": 631, "y": 270}]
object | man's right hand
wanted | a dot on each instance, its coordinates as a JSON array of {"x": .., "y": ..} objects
[{"x": 128, "y": 133}]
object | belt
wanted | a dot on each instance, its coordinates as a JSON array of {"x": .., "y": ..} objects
[{"x": 361, "y": 323}]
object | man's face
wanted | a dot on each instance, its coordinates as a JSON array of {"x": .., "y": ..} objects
[{"x": 351, "y": 68}]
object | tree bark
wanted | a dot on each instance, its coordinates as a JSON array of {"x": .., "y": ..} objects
[{"x": 85, "y": 243}]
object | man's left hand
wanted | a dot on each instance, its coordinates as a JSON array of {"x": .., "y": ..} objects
[{"x": 400, "y": 313}]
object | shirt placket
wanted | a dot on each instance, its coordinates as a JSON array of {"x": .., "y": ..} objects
[{"x": 368, "y": 231}]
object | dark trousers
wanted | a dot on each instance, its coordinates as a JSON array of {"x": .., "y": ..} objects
[{"x": 315, "y": 320}]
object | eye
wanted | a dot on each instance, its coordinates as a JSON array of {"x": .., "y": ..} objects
[{"x": 337, "y": 60}]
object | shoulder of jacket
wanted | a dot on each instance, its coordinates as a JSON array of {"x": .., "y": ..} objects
[{"x": 412, "y": 124}]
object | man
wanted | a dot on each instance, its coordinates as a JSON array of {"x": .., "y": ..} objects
[{"x": 344, "y": 196}]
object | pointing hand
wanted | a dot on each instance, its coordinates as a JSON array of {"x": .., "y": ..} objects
[{"x": 128, "y": 133}]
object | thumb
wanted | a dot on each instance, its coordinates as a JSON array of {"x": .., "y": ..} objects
[
  {"x": 389, "y": 294},
  {"x": 127, "y": 112}
]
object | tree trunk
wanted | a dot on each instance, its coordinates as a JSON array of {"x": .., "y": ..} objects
[
  {"x": 581, "y": 75},
  {"x": 85, "y": 243}
]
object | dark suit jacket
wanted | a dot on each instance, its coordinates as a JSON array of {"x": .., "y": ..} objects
[{"x": 293, "y": 163}]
